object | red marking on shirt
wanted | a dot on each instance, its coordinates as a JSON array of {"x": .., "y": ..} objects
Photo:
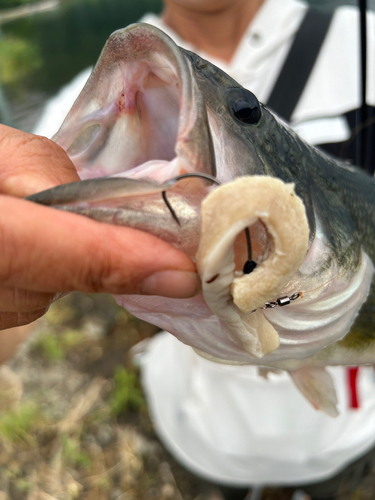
[{"x": 352, "y": 377}]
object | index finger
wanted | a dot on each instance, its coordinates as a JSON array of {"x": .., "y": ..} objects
[{"x": 31, "y": 163}]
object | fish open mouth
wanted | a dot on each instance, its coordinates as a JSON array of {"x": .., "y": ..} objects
[
  {"x": 137, "y": 115},
  {"x": 142, "y": 116}
]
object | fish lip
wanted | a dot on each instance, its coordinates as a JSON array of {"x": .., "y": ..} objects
[{"x": 129, "y": 45}]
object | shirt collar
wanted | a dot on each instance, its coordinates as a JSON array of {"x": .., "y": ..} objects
[
  {"x": 275, "y": 22},
  {"x": 275, "y": 17}
]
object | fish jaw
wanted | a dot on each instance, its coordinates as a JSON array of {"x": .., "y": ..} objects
[
  {"x": 140, "y": 113},
  {"x": 135, "y": 203}
]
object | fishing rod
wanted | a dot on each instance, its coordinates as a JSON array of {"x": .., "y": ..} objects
[{"x": 364, "y": 156}]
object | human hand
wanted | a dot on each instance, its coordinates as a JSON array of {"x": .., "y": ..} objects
[{"x": 45, "y": 252}]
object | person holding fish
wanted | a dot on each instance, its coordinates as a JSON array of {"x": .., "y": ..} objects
[
  {"x": 224, "y": 422},
  {"x": 41, "y": 261}
]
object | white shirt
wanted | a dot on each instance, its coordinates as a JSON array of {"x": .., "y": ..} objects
[
  {"x": 229, "y": 425},
  {"x": 257, "y": 63},
  {"x": 225, "y": 422}
]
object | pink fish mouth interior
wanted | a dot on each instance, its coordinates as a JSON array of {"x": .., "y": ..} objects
[
  {"x": 133, "y": 111},
  {"x": 137, "y": 126}
]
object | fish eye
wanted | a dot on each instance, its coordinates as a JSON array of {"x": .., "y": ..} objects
[{"x": 244, "y": 106}]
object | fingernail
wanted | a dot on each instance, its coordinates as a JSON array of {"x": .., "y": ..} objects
[{"x": 175, "y": 284}]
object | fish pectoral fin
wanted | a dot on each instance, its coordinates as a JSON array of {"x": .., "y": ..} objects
[{"x": 316, "y": 384}]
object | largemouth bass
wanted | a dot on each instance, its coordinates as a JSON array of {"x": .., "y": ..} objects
[{"x": 151, "y": 112}]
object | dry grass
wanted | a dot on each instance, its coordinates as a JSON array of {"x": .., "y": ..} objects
[{"x": 74, "y": 423}]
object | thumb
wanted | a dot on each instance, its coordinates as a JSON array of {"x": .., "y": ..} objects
[{"x": 47, "y": 250}]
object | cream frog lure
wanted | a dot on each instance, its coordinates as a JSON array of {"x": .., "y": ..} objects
[{"x": 237, "y": 300}]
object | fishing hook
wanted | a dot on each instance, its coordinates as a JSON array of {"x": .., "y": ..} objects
[
  {"x": 250, "y": 264},
  {"x": 185, "y": 176}
]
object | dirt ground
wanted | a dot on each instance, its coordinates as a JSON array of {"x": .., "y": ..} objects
[{"x": 74, "y": 422}]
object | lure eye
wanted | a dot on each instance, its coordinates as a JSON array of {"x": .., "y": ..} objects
[{"x": 244, "y": 106}]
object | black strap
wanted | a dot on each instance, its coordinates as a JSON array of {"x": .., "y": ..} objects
[{"x": 299, "y": 62}]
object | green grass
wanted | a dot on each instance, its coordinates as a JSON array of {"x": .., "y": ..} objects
[
  {"x": 50, "y": 347},
  {"x": 17, "y": 424},
  {"x": 23, "y": 485},
  {"x": 73, "y": 454},
  {"x": 55, "y": 347},
  {"x": 127, "y": 394}
]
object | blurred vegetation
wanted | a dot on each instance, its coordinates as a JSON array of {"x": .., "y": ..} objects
[
  {"x": 127, "y": 394},
  {"x": 18, "y": 59},
  {"x": 9, "y": 4},
  {"x": 16, "y": 425},
  {"x": 70, "y": 38},
  {"x": 65, "y": 41},
  {"x": 54, "y": 347},
  {"x": 72, "y": 452},
  {"x": 79, "y": 427}
]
